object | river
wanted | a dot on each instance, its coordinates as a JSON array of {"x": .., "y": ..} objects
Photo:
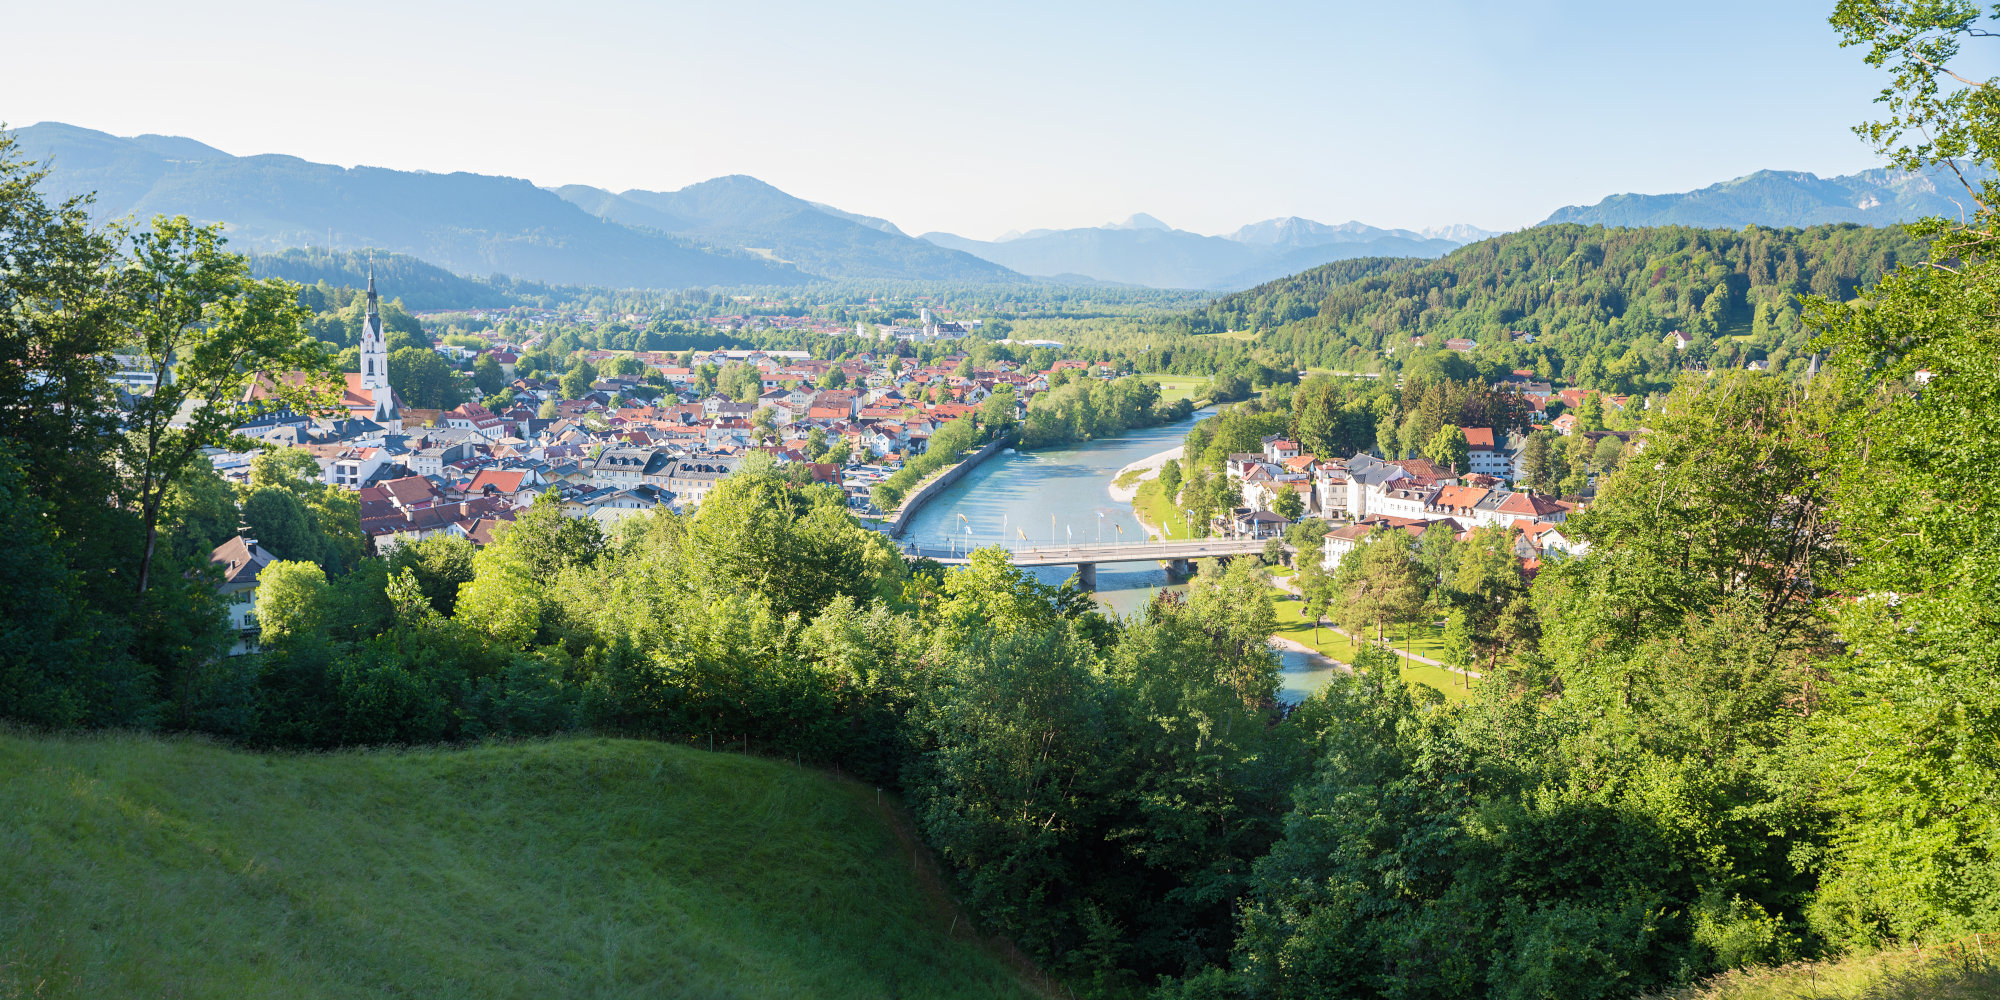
[{"x": 1057, "y": 494}]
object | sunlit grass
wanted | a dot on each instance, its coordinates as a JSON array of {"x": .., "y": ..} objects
[
  {"x": 1293, "y": 625},
  {"x": 139, "y": 867},
  {"x": 1961, "y": 971},
  {"x": 1151, "y": 504},
  {"x": 1174, "y": 387}
]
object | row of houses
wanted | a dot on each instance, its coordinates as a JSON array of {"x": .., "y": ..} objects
[{"x": 1366, "y": 494}]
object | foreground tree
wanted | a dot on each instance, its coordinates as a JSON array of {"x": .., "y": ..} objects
[
  {"x": 206, "y": 331},
  {"x": 1911, "y": 754}
]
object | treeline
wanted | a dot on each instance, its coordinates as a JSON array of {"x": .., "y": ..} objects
[
  {"x": 421, "y": 285},
  {"x": 1083, "y": 408},
  {"x": 947, "y": 446}
]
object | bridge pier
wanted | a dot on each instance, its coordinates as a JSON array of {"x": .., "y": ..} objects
[
  {"x": 1086, "y": 576},
  {"x": 1182, "y": 568}
]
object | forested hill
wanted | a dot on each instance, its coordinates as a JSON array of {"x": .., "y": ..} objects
[
  {"x": 1580, "y": 290},
  {"x": 420, "y": 285}
]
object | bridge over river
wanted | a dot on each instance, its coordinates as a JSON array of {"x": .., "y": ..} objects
[{"x": 1085, "y": 556}]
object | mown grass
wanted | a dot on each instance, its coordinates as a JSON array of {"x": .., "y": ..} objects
[
  {"x": 139, "y": 867},
  {"x": 1155, "y": 509},
  {"x": 1292, "y": 624},
  {"x": 1174, "y": 387},
  {"x": 1959, "y": 972}
]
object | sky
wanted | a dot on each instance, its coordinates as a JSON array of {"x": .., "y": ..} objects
[{"x": 982, "y": 118}]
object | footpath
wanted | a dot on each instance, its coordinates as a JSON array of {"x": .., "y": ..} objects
[{"x": 1287, "y": 586}]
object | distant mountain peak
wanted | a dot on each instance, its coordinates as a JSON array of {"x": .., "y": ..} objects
[{"x": 1139, "y": 220}]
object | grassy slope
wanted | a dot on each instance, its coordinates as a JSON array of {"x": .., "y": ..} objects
[
  {"x": 131, "y": 866},
  {"x": 1152, "y": 506},
  {"x": 1963, "y": 970}
]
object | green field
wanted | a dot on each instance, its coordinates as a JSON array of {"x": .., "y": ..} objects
[
  {"x": 1152, "y": 505},
  {"x": 139, "y": 867},
  {"x": 1174, "y": 387},
  {"x": 1293, "y": 625}
]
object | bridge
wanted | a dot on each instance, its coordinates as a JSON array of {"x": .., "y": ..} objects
[{"x": 1085, "y": 556}]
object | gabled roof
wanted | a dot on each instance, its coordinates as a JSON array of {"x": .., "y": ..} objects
[
  {"x": 241, "y": 559},
  {"x": 410, "y": 490},
  {"x": 1528, "y": 505},
  {"x": 501, "y": 481},
  {"x": 1460, "y": 496}
]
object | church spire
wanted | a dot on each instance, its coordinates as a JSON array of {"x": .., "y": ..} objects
[{"x": 374, "y": 342}]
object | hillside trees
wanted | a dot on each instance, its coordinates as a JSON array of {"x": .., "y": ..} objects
[
  {"x": 1910, "y": 756},
  {"x": 1599, "y": 302}
]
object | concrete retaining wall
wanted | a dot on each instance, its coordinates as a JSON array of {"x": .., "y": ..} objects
[{"x": 915, "y": 501}]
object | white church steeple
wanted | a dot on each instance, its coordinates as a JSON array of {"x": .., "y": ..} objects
[
  {"x": 374, "y": 345},
  {"x": 375, "y": 363}
]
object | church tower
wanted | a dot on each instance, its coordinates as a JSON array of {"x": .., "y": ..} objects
[{"x": 375, "y": 363}]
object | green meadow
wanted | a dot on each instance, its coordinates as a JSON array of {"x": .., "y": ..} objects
[{"x": 133, "y": 866}]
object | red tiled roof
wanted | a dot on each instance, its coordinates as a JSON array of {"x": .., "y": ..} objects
[
  {"x": 1460, "y": 496},
  {"x": 1528, "y": 505},
  {"x": 501, "y": 481}
]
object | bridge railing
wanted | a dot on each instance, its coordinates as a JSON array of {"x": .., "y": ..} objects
[{"x": 1099, "y": 551}]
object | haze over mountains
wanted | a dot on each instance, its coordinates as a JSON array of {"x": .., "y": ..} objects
[
  {"x": 747, "y": 214},
  {"x": 738, "y": 230},
  {"x": 1142, "y": 250},
  {"x": 1780, "y": 198},
  {"x": 468, "y": 223}
]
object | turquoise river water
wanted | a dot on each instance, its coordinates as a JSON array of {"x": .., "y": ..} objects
[{"x": 1057, "y": 494}]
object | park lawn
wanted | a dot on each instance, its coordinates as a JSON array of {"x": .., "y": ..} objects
[
  {"x": 1174, "y": 387},
  {"x": 135, "y": 866},
  {"x": 1293, "y": 625},
  {"x": 1152, "y": 505}
]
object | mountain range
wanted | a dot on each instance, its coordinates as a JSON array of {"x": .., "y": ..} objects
[
  {"x": 738, "y": 230},
  {"x": 1142, "y": 250},
  {"x": 745, "y": 214},
  {"x": 733, "y": 230},
  {"x": 468, "y": 223},
  {"x": 1781, "y": 198}
]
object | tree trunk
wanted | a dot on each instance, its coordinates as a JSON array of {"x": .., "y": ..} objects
[{"x": 151, "y": 514}]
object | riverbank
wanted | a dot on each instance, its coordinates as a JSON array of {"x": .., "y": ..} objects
[
  {"x": 929, "y": 488},
  {"x": 1124, "y": 487}
]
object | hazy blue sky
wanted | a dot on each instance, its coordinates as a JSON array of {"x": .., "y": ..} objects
[{"x": 982, "y": 117}]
